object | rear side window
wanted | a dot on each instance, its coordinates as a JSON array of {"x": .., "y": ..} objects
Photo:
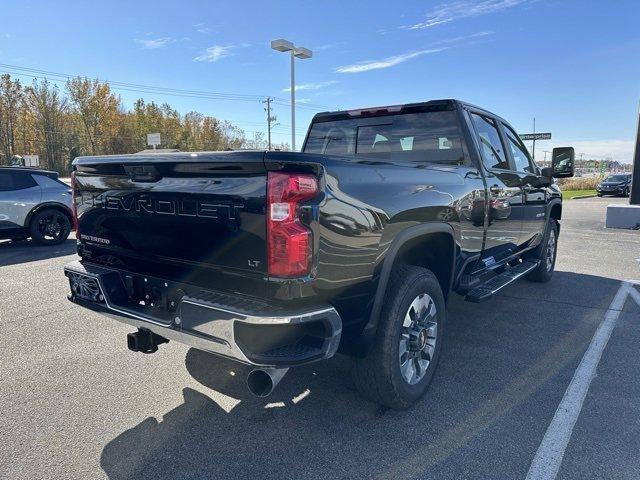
[
  {"x": 411, "y": 137},
  {"x": 10, "y": 181},
  {"x": 518, "y": 151},
  {"x": 49, "y": 182},
  {"x": 490, "y": 144}
]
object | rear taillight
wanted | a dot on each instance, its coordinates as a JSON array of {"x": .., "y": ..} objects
[
  {"x": 289, "y": 241},
  {"x": 74, "y": 208}
]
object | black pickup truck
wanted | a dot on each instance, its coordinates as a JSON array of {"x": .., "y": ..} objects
[{"x": 277, "y": 259}]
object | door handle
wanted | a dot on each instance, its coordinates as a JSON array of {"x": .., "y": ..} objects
[{"x": 495, "y": 189}]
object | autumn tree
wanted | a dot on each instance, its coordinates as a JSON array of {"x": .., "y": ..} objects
[
  {"x": 88, "y": 118},
  {"x": 97, "y": 110},
  {"x": 11, "y": 98},
  {"x": 50, "y": 114}
]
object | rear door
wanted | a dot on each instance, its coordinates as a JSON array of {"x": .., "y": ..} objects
[
  {"x": 19, "y": 193},
  {"x": 534, "y": 195},
  {"x": 504, "y": 190}
]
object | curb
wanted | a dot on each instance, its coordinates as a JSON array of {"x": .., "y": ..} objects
[{"x": 578, "y": 197}]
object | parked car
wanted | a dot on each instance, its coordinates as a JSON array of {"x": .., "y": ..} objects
[
  {"x": 34, "y": 203},
  {"x": 618, "y": 184},
  {"x": 277, "y": 259}
]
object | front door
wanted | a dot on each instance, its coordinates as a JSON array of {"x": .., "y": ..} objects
[
  {"x": 505, "y": 193},
  {"x": 535, "y": 201}
]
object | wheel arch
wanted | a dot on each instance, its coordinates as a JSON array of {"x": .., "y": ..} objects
[
  {"x": 46, "y": 206},
  {"x": 431, "y": 245},
  {"x": 555, "y": 209}
]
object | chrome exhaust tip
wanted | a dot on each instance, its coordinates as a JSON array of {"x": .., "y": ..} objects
[{"x": 261, "y": 382}]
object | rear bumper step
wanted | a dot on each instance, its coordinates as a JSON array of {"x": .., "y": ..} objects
[
  {"x": 485, "y": 291},
  {"x": 243, "y": 329}
]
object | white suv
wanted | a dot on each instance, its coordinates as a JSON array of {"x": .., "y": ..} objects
[{"x": 34, "y": 203}]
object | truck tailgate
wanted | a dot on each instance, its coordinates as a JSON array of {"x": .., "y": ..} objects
[{"x": 177, "y": 210}]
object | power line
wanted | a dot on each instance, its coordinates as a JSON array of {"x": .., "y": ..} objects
[{"x": 141, "y": 88}]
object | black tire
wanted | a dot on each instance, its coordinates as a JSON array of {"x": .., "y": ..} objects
[
  {"x": 599, "y": 194},
  {"x": 378, "y": 376},
  {"x": 543, "y": 272},
  {"x": 50, "y": 227}
]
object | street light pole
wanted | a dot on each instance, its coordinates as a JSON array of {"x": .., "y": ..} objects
[
  {"x": 293, "y": 101},
  {"x": 302, "y": 53}
]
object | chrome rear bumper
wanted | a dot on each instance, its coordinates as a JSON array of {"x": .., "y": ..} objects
[{"x": 235, "y": 327}]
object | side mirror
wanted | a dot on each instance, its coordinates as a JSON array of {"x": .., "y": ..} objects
[{"x": 562, "y": 162}]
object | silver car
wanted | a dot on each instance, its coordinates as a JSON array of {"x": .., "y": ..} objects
[{"x": 34, "y": 203}]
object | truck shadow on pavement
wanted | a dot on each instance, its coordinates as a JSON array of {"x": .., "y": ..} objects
[
  {"x": 13, "y": 252},
  {"x": 502, "y": 361}
]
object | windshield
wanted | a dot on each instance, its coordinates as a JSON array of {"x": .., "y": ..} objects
[
  {"x": 617, "y": 178},
  {"x": 413, "y": 137}
]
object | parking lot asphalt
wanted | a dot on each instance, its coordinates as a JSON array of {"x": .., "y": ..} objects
[{"x": 76, "y": 403}]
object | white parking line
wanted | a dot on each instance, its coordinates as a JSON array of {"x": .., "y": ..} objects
[{"x": 548, "y": 458}]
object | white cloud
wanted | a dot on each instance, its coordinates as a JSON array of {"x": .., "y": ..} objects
[
  {"x": 215, "y": 53},
  {"x": 327, "y": 46},
  {"x": 449, "y": 12},
  {"x": 460, "y": 39},
  {"x": 6, "y": 35},
  {"x": 367, "y": 65},
  {"x": 202, "y": 28},
  {"x": 151, "y": 43},
  {"x": 311, "y": 86}
]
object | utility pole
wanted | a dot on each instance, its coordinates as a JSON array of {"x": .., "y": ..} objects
[
  {"x": 270, "y": 120},
  {"x": 545, "y": 154},
  {"x": 534, "y": 139}
]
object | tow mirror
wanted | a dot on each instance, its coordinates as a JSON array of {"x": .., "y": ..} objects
[{"x": 562, "y": 163}]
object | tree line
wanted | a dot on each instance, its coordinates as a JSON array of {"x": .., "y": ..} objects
[{"x": 87, "y": 118}]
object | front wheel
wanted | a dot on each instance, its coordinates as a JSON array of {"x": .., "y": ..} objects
[
  {"x": 50, "y": 227},
  {"x": 407, "y": 347},
  {"x": 546, "y": 253}
]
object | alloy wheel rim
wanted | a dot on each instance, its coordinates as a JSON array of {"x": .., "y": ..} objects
[
  {"x": 52, "y": 226},
  {"x": 418, "y": 338},
  {"x": 551, "y": 250}
]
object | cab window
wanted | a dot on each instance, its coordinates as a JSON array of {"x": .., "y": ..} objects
[
  {"x": 491, "y": 146},
  {"x": 519, "y": 152}
]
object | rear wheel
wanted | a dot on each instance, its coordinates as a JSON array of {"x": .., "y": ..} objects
[
  {"x": 50, "y": 227},
  {"x": 546, "y": 253},
  {"x": 406, "y": 351}
]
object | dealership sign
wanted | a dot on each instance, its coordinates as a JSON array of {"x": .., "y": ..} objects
[{"x": 536, "y": 136}]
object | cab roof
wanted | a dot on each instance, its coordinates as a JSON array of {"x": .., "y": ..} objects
[{"x": 429, "y": 106}]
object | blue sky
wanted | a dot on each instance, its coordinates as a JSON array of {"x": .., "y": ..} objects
[{"x": 574, "y": 64}]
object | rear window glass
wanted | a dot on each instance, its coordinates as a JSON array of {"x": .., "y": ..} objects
[
  {"x": 15, "y": 181},
  {"x": 412, "y": 137}
]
